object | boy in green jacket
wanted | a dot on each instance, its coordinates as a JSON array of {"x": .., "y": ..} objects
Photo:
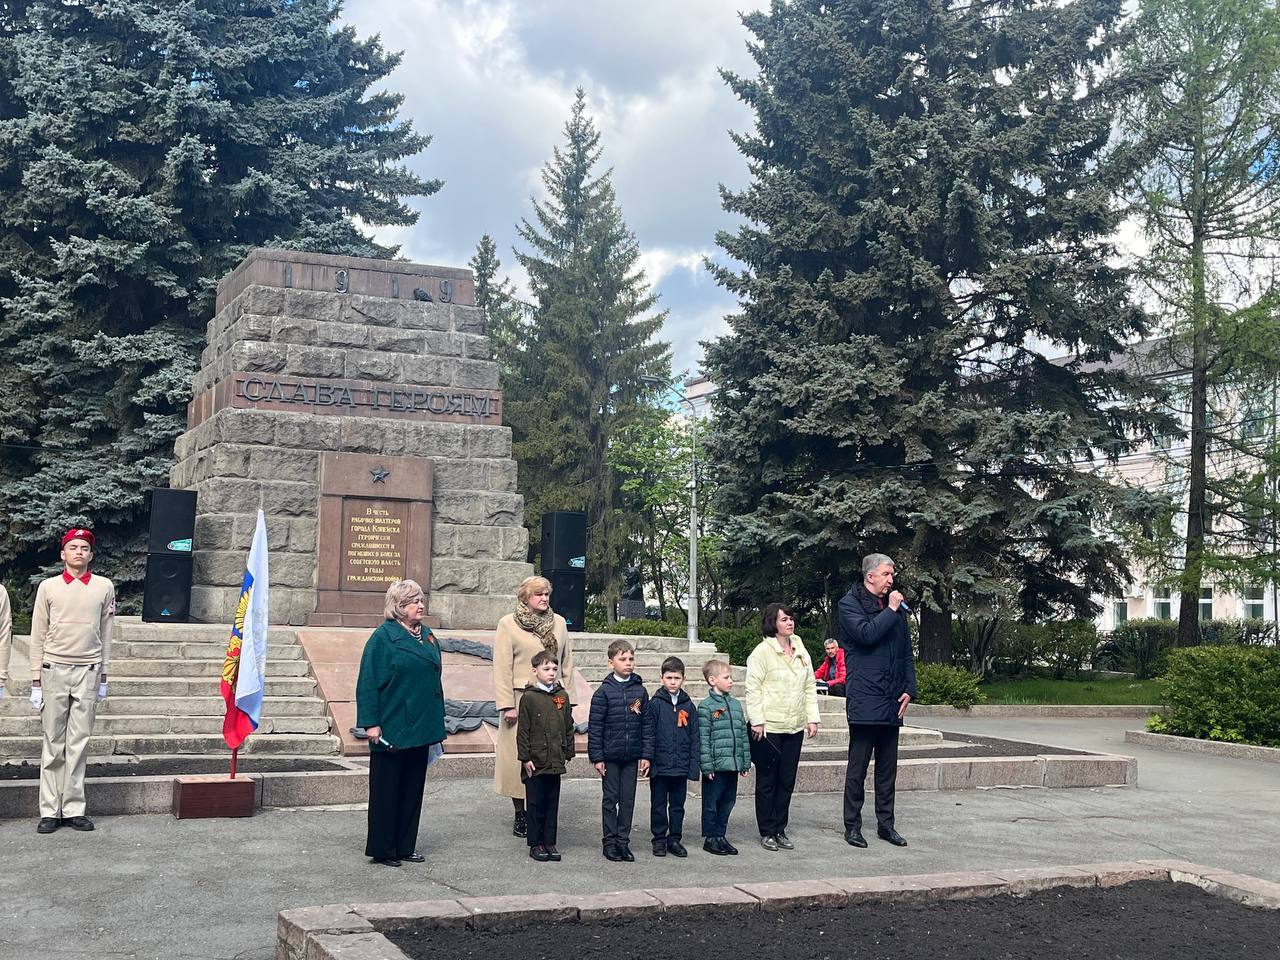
[
  {"x": 544, "y": 745},
  {"x": 725, "y": 754}
]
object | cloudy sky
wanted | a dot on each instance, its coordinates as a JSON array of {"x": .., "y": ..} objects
[{"x": 493, "y": 81}]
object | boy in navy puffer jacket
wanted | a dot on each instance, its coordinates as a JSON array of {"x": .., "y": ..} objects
[
  {"x": 615, "y": 746},
  {"x": 671, "y": 735}
]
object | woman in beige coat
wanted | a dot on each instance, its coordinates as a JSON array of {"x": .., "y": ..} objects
[{"x": 533, "y": 627}]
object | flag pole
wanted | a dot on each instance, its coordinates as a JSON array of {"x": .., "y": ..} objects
[{"x": 234, "y": 752}]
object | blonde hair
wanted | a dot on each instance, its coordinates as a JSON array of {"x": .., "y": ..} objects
[
  {"x": 399, "y": 596},
  {"x": 531, "y": 585},
  {"x": 715, "y": 668}
]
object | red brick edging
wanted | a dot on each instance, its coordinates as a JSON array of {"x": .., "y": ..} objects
[{"x": 346, "y": 931}]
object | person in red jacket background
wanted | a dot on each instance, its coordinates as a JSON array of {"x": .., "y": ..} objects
[{"x": 832, "y": 668}]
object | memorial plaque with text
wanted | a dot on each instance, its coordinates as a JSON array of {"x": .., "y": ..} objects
[{"x": 374, "y": 543}]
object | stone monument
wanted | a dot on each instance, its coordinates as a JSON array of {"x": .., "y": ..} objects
[{"x": 355, "y": 402}]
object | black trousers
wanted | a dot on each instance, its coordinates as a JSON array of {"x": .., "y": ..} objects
[
  {"x": 718, "y": 797},
  {"x": 666, "y": 806},
  {"x": 396, "y": 780},
  {"x": 864, "y": 740},
  {"x": 777, "y": 757},
  {"x": 835, "y": 689},
  {"x": 619, "y": 800},
  {"x": 542, "y": 797}
]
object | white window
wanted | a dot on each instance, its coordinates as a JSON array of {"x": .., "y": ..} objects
[
  {"x": 1162, "y": 605},
  {"x": 1254, "y": 607},
  {"x": 1120, "y": 612},
  {"x": 1254, "y": 421},
  {"x": 1206, "y": 603}
]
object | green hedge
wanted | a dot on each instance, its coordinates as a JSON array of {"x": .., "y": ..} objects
[
  {"x": 1228, "y": 693},
  {"x": 737, "y": 642},
  {"x": 939, "y": 684}
]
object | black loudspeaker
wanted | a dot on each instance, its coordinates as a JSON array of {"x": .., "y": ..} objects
[
  {"x": 173, "y": 521},
  {"x": 166, "y": 593},
  {"x": 564, "y": 541},
  {"x": 569, "y": 596}
]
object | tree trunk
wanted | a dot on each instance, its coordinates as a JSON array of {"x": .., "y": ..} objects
[{"x": 935, "y": 634}]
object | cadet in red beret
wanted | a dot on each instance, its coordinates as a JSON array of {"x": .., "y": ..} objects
[{"x": 70, "y": 639}]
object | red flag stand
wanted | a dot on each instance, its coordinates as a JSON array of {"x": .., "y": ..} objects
[{"x": 213, "y": 795}]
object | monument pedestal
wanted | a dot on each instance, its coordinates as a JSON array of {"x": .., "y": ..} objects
[{"x": 355, "y": 402}]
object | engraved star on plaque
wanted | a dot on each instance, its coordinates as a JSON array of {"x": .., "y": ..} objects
[{"x": 379, "y": 474}]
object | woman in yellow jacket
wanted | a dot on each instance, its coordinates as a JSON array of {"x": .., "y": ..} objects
[{"x": 782, "y": 707}]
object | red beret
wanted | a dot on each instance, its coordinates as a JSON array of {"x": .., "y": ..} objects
[{"x": 78, "y": 533}]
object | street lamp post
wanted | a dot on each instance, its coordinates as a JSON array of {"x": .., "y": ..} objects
[{"x": 693, "y": 508}]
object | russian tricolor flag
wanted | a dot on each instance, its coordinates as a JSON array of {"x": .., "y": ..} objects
[{"x": 245, "y": 665}]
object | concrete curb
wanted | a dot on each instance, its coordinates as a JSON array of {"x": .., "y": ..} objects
[
  {"x": 352, "y": 932},
  {"x": 113, "y": 796},
  {"x": 1211, "y": 748},
  {"x": 1017, "y": 710}
]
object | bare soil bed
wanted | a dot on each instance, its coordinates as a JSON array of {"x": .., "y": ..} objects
[{"x": 1139, "y": 921}]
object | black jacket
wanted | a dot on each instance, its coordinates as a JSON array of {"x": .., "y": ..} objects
[
  {"x": 544, "y": 730},
  {"x": 879, "y": 666},
  {"x": 615, "y": 727},
  {"x": 671, "y": 736}
]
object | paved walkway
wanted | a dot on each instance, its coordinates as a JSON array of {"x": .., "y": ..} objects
[{"x": 154, "y": 887}]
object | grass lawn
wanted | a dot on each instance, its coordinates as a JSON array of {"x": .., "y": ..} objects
[{"x": 1045, "y": 690}]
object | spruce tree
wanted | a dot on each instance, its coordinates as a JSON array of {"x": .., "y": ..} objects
[
  {"x": 926, "y": 226},
  {"x": 145, "y": 147},
  {"x": 503, "y": 312},
  {"x": 590, "y": 341}
]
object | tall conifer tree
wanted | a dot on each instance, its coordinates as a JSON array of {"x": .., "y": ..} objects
[
  {"x": 145, "y": 147},
  {"x": 925, "y": 227},
  {"x": 590, "y": 341}
]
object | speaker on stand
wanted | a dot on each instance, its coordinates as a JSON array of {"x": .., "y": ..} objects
[
  {"x": 166, "y": 591},
  {"x": 564, "y": 563}
]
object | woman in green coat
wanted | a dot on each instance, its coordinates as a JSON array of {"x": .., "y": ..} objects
[{"x": 400, "y": 702}]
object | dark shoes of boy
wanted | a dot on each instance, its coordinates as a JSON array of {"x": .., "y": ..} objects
[
  {"x": 624, "y": 851},
  {"x": 784, "y": 842},
  {"x": 891, "y": 835},
  {"x": 521, "y": 826},
  {"x": 854, "y": 838},
  {"x": 83, "y": 824},
  {"x": 539, "y": 853},
  {"x": 660, "y": 848},
  {"x": 676, "y": 847},
  {"x": 386, "y": 861},
  {"x": 48, "y": 824},
  {"x": 716, "y": 846},
  {"x": 729, "y": 848},
  {"x": 769, "y": 844},
  {"x": 612, "y": 852},
  {"x": 553, "y": 853}
]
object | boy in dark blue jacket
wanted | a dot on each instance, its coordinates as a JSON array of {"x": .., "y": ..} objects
[
  {"x": 615, "y": 746},
  {"x": 671, "y": 744}
]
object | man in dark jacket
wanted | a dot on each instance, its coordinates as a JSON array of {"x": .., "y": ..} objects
[
  {"x": 880, "y": 680},
  {"x": 671, "y": 747}
]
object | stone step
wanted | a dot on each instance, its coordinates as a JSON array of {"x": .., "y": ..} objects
[
  {"x": 28, "y": 748},
  {"x": 196, "y": 668},
  {"x": 132, "y": 628},
  {"x": 600, "y": 641},
  {"x": 121, "y": 705},
  {"x": 192, "y": 650},
  {"x": 650, "y": 673},
  {"x": 201, "y": 687},
  {"x": 148, "y": 725}
]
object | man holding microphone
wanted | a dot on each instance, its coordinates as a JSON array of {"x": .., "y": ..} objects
[
  {"x": 880, "y": 680},
  {"x": 70, "y": 638}
]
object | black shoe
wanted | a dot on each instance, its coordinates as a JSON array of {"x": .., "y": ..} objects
[
  {"x": 729, "y": 848},
  {"x": 783, "y": 841},
  {"x": 387, "y": 861},
  {"x": 48, "y": 825},
  {"x": 539, "y": 853},
  {"x": 854, "y": 838},
  {"x": 553, "y": 853},
  {"x": 521, "y": 826},
  {"x": 660, "y": 848},
  {"x": 611, "y": 852},
  {"x": 715, "y": 846},
  {"x": 83, "y": 824},
  {"x": 891, "y": 835},
  {"x": 414, "y": 858},
  {"x": 625, "y": 852},
  {"x": 676, "y": 847},
  {"x": 769, "y": 844}
]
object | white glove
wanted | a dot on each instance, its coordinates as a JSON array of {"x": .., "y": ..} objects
[
  {"x": 102, "y": 691},
  {"x": 37, "y": 697}
]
